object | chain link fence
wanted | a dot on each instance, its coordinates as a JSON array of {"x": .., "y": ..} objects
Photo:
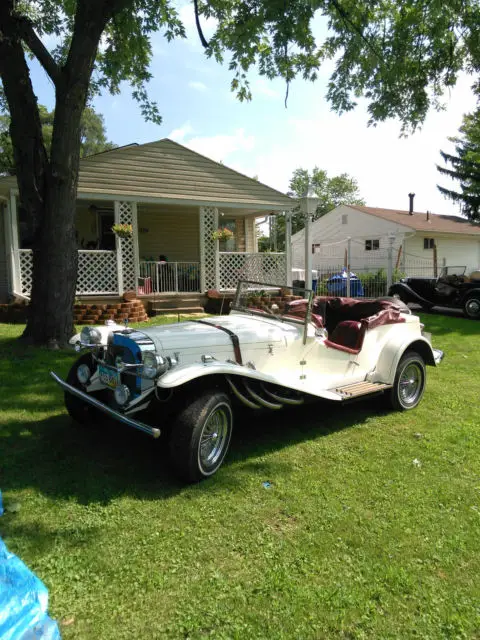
[{"x": 370, "y": 278}]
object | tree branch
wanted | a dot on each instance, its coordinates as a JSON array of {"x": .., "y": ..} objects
[{"x": 27, "y": 34}]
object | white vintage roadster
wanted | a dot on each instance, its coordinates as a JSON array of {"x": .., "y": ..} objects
[{"x": 274, "y": 349}]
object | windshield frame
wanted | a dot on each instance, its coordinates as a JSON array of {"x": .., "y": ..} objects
[{"x": 308, "y": 295}]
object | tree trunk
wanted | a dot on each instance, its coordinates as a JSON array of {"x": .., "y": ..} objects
[
  {"x": 48, "y": 188},
  {"x": 55, "y": 255}
]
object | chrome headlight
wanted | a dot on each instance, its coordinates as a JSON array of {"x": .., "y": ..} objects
[
  {"x": 90, "y": 335},
  {"x": 122, "y": 394},
  {"x": 83, "y": 373},
  {"x": 153, "y": 364}
]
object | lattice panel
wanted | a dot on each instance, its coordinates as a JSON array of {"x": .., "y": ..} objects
[
  {"x": 97, "y": 272},
  {"x": 208, "y": 224},
  {"x": 26, "y": 270},
  {"x": 269, "y": 268},
  {"x": 126, "y": 216}
]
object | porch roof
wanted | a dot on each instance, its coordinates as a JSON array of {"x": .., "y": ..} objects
[{"x": 165, "y": 171}]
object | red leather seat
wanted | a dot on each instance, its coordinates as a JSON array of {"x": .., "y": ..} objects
[{"x": 348, "y": 333}]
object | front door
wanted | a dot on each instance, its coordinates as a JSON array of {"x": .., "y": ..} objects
[{"x": 107, "y": 237}]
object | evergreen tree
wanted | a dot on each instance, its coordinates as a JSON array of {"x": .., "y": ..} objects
[{"x": 465, "y": 167}]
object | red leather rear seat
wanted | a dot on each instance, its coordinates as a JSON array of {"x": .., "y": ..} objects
[{"x": 348, "y": 334}]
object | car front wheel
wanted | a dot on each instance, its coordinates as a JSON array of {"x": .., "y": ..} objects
[
  {"x": 471, "y": 307},
  {"x": 200, "y": 436},
  {"x": 409, "y": 383}
]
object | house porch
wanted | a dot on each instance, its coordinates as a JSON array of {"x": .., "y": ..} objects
[{"x": 171, "y": 250}]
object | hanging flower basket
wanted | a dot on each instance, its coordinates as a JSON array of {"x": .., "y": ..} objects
[
  {"x": 123, "y": 230},
  {"x": 222, "y": 234}
]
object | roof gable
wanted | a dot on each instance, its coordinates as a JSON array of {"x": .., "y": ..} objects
[{"x": 168, "y": 170}]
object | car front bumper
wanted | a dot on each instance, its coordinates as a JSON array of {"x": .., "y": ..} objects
[
  {"x": 438, "y": 355},
  {"x": 141, "y": 426}
]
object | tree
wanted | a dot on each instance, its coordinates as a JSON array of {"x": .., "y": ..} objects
[
  {"x": 465, "y": 167},
  {"x": 332, "y": 192},
  {"x": 401, "y": 56},
  {"x": 92, "y": 136}
]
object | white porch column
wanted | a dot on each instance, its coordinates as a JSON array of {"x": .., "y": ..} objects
[
  {"x": 209, "y": 259},
  {"x": 127, "y": 248},
  {"x": 288, "y": 246},
  {"x": 12, "y": 240},
  {"x": 308, "y": 251}
]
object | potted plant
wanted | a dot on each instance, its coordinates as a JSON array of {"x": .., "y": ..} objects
[
  {"x": 123, "y": 230},
  {"x": 222, "y": 233}
]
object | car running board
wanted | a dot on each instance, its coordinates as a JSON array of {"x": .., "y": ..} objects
[{"x": 360, "y": 389}]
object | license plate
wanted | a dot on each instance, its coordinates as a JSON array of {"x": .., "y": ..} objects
[{"x": 109, "y": 377}]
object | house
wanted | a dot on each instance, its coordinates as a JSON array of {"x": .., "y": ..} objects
[
  {"x": 420, "y": 243},
  {"x": 174, "y": 199}
]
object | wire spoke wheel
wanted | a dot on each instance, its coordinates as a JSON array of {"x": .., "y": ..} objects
[
  {"x": 201, "y": 435},
  {"x": 409, "y": 384},
  {"x": 472, "y": 308},
  {"x": 214, "y": 438}
]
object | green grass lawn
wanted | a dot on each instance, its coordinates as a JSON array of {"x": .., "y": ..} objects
[{"x": 351, "y": 540}]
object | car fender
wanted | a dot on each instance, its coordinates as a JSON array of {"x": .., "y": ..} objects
[
  {"x": 401, "y": 287},
  {"x": 105, "y": 330},
  {"x": 392, "y": 353},
  {"x": 182, "y": 374},
  {"x": 470, "y": 292}
]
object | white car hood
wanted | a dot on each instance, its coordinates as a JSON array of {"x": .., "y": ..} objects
[{"x": 253, "y": 332}]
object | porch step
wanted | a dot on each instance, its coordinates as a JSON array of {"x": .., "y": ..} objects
[
  {"x": 360, "y": 389},
  {"x": 156, "y": 311}
]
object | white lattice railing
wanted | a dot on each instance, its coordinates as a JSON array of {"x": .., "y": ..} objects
[
  {"x": 169, "y": 277},
  {"x": 269, "y": 268},
  {"x": 97, "y": 272},
  {"x": 26, "y": 270}
]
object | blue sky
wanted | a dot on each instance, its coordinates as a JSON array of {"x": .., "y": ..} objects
[{"x": 263, "y": 138}]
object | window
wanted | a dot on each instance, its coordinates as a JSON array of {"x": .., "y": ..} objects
[
  {"x": 315, "y": 248},
  {"x": 345, "y": 219},
  {"x": 428, "y": 243},
  {"x": 372, "y": 245}
]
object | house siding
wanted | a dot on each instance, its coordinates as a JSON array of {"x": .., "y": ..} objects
[
  {"x": 450, "y": 251},
  {"x": 3, "y": 259},
  {"x": 172, "y": 232},
  {"x": 332, "y": 236}
]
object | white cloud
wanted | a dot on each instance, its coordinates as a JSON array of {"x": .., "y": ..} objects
[
  {"x": 386, "y": 166},
  {"x": 198, "y": 86},
  {"x": 264, "y": 88},
  {"x": 221, "y": 146},
  {"x": 179, "y": 134}
]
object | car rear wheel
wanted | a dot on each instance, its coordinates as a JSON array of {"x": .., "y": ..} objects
[
  {"x": 79, "y": 410},
  {"x": 200, "y": 436},
  {"x": 471, "y": 307},
  {"x": 409, "y": 383}
]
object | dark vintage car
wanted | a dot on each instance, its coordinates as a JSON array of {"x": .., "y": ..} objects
[{"x": 453, "y": 288}]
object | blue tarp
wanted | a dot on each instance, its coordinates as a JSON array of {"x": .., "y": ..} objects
[
  {"x": 337, "y": 285},
  {"x": 23, "y": 601}
]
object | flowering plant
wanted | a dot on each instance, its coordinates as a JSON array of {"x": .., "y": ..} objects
[
  {"x": 222, "y": 233},
  {"x": 123, "y": 230}
]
